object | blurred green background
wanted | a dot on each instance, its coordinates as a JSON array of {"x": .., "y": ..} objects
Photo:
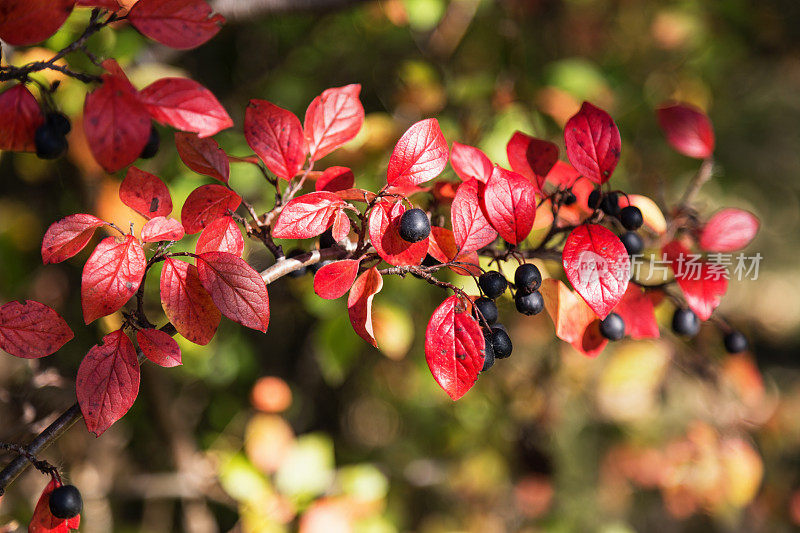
[{"x": 309, "y": 428}]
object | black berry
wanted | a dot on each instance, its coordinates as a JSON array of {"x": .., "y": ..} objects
[
  {"x": 529, "y": 304},
  {"x": 58, "y": 122},
  {"x": 300, "y": 271},
  {"x": 50, "y": 144},
  {"x": 66, "y": 502},
  {"x": 151, "y": 148},
  {"x": 610, "y": 204},
  {"x": 326, "y": 240},
  {"x": 527, "y": 278},
  {"x": 736, "y": 342},
  {"x": 493, "y": 284},
  {"x": 594, "y": 199},
  {"x": 488, "y": 356},
  {"x": 633, "y": 242},
  {"x": 488, "y": 309},
  {"x": 685, "y": 322},
  {"x": 414, "y": 225},
  {"x": 612, "y": 327},
  {"x": 501, "y": 343},
  {"x": 430, "y": 261},
  {"x": 631, "y": 217},
  {"x": 569, "y": 198}
]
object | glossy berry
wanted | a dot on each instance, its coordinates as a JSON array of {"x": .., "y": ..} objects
[
  {"x": 326, "y": 240},
  {"x": 594, "y": 199},
  {"x": 501, "y": 343},
  {"x": 50, "y": 144},
  {"x": 300, "y": 271},
  {"x": 529, "y": 304},
  {"x": 685, "y": 322},
  {"x": 569, "y": 198},
  {"x": 631, "y": 217},
  {"x": 493, "y": 284},
  {"x": 66, "y": 502},
  {"x": 736, "y": 342},
  {"x": 488, "y": 309},
  {"x": 610, "y": 204},
  {"x": 151, "y": 148},
  {"x": 527, "y": 278},
  {"x": 414, "y": 225},
  {"x": 58, "y": 122},
  {"x": 633, "y": 242},
  {"x": 612, "y": 327},
  {"x": 488, "y": 356}
]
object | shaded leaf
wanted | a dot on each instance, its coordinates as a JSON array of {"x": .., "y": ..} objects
[
  {"x": 688, "y": 129},
  {"x": 332, "y": 119},
  {"x": 111, "y": 276},
  {"x": 186, "y": 303},
  {"x": 32, "y": 329},
  {"x": 702, "y": 288},
  {"x": 181, "y": 24},
  {"x": 442, "y": 247},
  {"x": 207, "y": 203},
  {"x": 21, "y": 116},
  {"x": 335, "y": 179},
  {"x": 68, "y": 236},
  {"x": 574, "y": 321},
  {"x": 636, "y": 309},
  {"x": 531, "y": 157},
  {"x": 420, "y": 155},
  {"x": 159, "y": 347},
  {"x": 593, "y": 143},
  {"x": 359, "y": 303},
  {"x": 204, "y": 156},
  {"x": 24, "y": 22}
]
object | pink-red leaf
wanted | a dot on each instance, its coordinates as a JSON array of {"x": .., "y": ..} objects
[
  {"x": 574, "y": 321},
  {"x": 701, "y": 287},
  {"x": 159, "y": 347},
  {"x": 593, "y": 143},
  {"x": 442, "y": 247},
  {"x": 43, "y": 520},
  {"x": 276, "y": 136},
  {"x": 24, "y": 22},
  {"x": 204, "y": 156},
  {"x": 238, "y": 291},
  {"x": 332, "y": 119},
  {"x": 597, "y": 266},
  {"x": 510, "y": 203},
  {"x": 359, "y": 303},
  {"x": 111, "y": 276},
  {"x": 186, "y": 303},
  {"x": 207, "y": 203},
  {"x": 729, "y": 230},
  {"x": 471, "y": 228},
  {"x": 335, "y": 179},
  {"x": 162, "y": 229},
  {"x": 21, "y": 116},
  {"x": 145, "y": 193},
  {"x": 341, "y": 226},
  {"x": 181, "y": 24},
  {"x": 335, "y": 279},
  {"x": 32, "y": 330},
  {"x": 222, "y": 235},
  {"x": 688, "y": 130},
  {"x": 636, "y": 309},
  {"x": 186, "y": 105},
  {"x": 68, "y": 236},
  {"x": 420, "y": 154},
  {"x": 307, "y": 216},
  {"x": 531, "y": 157},
  {"x": 384, "y": 233},
  {"x": 470, "y": 163},
  {"x": 454, "y": 347}
]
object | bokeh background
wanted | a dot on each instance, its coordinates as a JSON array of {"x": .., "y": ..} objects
[{"x": 309, "y": 428}]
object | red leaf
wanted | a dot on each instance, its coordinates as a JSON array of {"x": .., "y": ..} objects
[
  {"x": 593, "y": 143},
  {"x": 204, "y": 156},
  {"x": 145, "y": 193},
  {"x": 108, "y": 381},
  {"x": 335, "y": 179},
  {"x": 442, "y": 247},
  {"x": 335, "y": 279},
  {"x": 510, "y": 203},
  {"x": 341, "y": 226},
  {"x": 21, "y": 116},
  {"x": 32, "y": 330},
  {"x": 384, "y": 233},
  {"x": 68, "y": 236},
  {"x": 222, "y": 235},
  {"x": 276, "y": 136},
  {"x": 332, "y": 119},
  {"x": 180, "y": 24},
  {"x": 636, "y": 309},
  {"x": 237, "y": 290},
  {"x": 116, "y": 123},
  {"x": 111, "y": 276},
  {"x": 24, "y": 22},
  {"x": 454, "y": 347},
  {"x": 159, "y": 347},
  {"x": 207, "y": 203},
  {"x": 702, "y": 288},
  {"x": 162, "y": 229},
  {"x": 186, "y": 303},
  {"x": 729, "y": 230},
  {"x": 307, "y": 216},
  {"x": 531, "y": 157},
  {"x": 688, "y": 130},
  {"x": 575, "y": 322},
  {"x": 470, "y": 163},
  {"x": 597, "y": 266},
  {"x": 186, "y": 105},
  {"x": 471, "y": 228},
  {"x": 420, "y": 154},
  {"x": 359, "y": 303},
  {"x": 43, "y": 520}
]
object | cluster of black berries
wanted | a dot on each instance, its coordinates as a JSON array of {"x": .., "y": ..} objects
[
  {"x": 66, "y": 502},
  {"x": 687, "y": 324},
  {"x": 630, "y": 217}
]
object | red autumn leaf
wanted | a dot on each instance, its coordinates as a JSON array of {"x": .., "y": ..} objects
[
  {"x": 186, "y": 105},
  {"x": 145, "y": 193},
  {"x": 470, "y": 163},
  {"x": 111, "y": 5},
  {"x": 111, "y": 276},
  {"x": 384, "y": 233},
  {"x": 24, "y": 22},
  {"x": 359, "y": 303},
  {"x": 574, "y": 321},
  {"x": 729, "y": 230},
  {"x": 222, "y": 235},
  {"x": 186, "y": 303},
  {"x": 442, "y": 247},
  {"x": 335, "y": 179},
  {"x": 471, "y": 228},
  {"x": 68, "y": 236},
  {"x": 204, "y": 156},
  {"x": 332, "y": 119},
  {"x": 116, "y": 123},
  {"x": 238, "y": 291},
  {"x": 531, "y": 157},
  {"x": 307, "y": 216},
  {"x": 593, "y": 143},
  {"x": 32, "y": 330},
  {"x": 356, "y": 195},
  {"x": 341, "y": 226},
  {"x": 43, "y": 520},
  {"x": 702, "y": 287},
  {"x": 597, "y": 266},
  {"x": 454, "y": 347},
  {"x": 159, "y": 347},
  {"x": 21, "y": 116},
  {"x": 181, "y": 24},
  {"x": 207, "y": 203},
  {"x": 420, "y": 154},
  {"x": 510, "y": 204},
  {"x": 688, "y": 130},
  {"x": 108, "y": 381},
  {"x": 636, "y": 309},
  {"x": 445, "y": 191},
  {"x": 276, "y": 136},
  {"x": 335, "y": 279},
  {"x": 162, "y": 229}
]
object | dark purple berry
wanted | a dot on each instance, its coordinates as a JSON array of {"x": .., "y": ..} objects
[
  {"x": 66, "y": 502},
  {"x": 529, "y": 304},
  {"x": 594, "y": 199},
  {"x": 610, "y": 204},
  {"x": 736, "y": 342},
  {"x": 631, "y": 217},
  {"x": 633, "y": 242},
  {"x": 488, "y": 357},
  {"x": 488, "y": 309},
  {"x": 493, "y": 284},
  {"x": 612, "y": 327},
  {"x": 527, "y": 278},
  {"x": 151, "y": 148},
  {"x": 58, "y": 122},
  {"x": 50, "y": 144},
  {"x": 414, "y": 225},
  {"x": 685, "y": 322},
  {"x": 501, "y": 343}
]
